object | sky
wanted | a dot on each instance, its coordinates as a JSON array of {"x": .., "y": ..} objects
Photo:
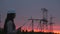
[{"x": 27, "y": 8}]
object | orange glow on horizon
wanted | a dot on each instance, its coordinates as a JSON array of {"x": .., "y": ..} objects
[
  {"x": 55, "y": 30},
  {"x": 36, "y": 30}
]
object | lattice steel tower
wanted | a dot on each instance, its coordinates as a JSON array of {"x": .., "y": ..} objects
[
  {"x": 51, "y": 24},
  {"x": 44, "y": 19}
]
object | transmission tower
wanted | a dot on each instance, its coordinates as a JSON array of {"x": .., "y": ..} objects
[
  {"x": 51, "y": 24},
  {"x": 45, "y": 15},
  {"x": 32, "y": 23}
]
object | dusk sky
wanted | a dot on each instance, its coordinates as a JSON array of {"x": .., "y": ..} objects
[{"x": 26, "y": 8}]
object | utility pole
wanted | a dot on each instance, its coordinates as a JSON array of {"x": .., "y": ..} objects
[{"x": 45, "y": 15}]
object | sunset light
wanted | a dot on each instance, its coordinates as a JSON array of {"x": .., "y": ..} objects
[{"x": 29, "y": 16}]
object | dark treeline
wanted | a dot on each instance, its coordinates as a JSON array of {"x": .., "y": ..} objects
[{"x": 19, "y": 32}]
